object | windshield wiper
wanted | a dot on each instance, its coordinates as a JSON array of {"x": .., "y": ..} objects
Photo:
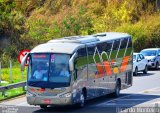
[{"x": 32, "y": 84}]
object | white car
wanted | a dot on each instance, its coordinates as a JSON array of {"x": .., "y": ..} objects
[
  {"x": 139, "y": 63},
  {"x": 153, "y": 57}
]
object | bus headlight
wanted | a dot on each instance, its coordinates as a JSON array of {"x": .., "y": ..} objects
[{"x": 65, "y": 95}]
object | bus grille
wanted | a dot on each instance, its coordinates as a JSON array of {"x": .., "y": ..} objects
[{"x": 47, "y": 94}]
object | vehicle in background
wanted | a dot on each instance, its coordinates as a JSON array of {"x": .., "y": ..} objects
[
  {"x": 139, "y": 64},
  {"x": 153, "y": 57},
  {"x": 74, "y": 69}
]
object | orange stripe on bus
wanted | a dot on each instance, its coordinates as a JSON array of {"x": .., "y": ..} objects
[
  {"x": 107, "y": 68},
  {"x": 124, "y": 63},
  {"x": 100, "y": 69}
]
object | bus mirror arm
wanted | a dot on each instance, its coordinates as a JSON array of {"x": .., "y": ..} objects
[
  {"x": 71, "y": 62},
  {"x": 75, "y": 74},
  {"x": 23, "y": 62}
]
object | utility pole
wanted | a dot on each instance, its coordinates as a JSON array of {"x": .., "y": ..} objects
[{"x": 11, "y": 78}]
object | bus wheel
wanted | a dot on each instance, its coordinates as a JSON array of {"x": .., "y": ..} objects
[
  {"x": 82, "y": 100},
  {"x": 43, "y": 106},
  {"x": 117, "y": 89}
]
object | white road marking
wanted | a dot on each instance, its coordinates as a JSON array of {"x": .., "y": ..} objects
[
  {"x": 132, "y": 99},
  {"x": 123, "y": 97},
  {"x": 148, "y": 90}
]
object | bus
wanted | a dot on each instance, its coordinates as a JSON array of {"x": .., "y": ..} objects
[{"x": 72, "y": 70}]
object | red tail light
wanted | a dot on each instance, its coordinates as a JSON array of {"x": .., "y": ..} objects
[
  {"x": 33, "y": 90},
  {"x": 41, "y": 90}
]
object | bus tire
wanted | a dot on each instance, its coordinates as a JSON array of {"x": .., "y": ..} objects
[
  {"x": 43, "y": 106},
  {"x": 117, "y": 89}
]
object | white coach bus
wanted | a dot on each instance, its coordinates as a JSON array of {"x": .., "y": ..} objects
[{"x": 74, "y": 69}]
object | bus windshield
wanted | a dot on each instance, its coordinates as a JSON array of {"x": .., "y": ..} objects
[{"x": 49, "y": 70}]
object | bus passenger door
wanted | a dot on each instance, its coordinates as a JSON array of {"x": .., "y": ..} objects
[
  {"x": 92, "y": 72},
  {"x": 81, "y": 69}
]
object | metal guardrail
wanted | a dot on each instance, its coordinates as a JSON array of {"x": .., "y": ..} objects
[{"x": 11, "y": 86}]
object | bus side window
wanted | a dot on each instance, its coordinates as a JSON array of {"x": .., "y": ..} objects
[
  {"x": 92, "y": 68},
  {"x": 109, "y": 46},
  {"x": 122, "y": 47},
  {"x": 130, "y": 42},
  {"x": 80, "y": 62},
  {"x": 124, "y": 43},
  {"x": 101, "y": 47},
  {"x": 91, "y": 50},
  {"x": 116, "y": 44},
  {"x": 129, "y": 48},
  {"x": 115, "y": 49}
]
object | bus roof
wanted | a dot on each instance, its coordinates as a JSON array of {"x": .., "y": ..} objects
[
  {"x": 67, "y": 48},
  {"x": 111, "y": 36},
  {"x": 69, "y": 44}
]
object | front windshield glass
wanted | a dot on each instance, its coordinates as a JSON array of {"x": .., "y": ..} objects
[
  {"x": 49, "y": 70},
  {"x": 149, "y": 53}
]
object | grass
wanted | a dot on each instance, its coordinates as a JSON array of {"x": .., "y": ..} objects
[
  {"x": 12, "y": 93},
  {"x": 16, "y": 77}
]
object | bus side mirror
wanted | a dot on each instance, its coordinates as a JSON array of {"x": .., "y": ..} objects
[
  {"x": 71, "y": 62},
  {"x": 23, "y": 62}
]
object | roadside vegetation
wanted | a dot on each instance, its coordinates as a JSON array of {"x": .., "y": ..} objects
[
  {"x": 16, "y": 75},
  {"x": 11, "y": 93},
  {"x": 26, "y": 23},
  {"x": 6, "y": 79}
]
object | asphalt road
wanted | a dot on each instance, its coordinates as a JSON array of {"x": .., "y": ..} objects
[{"x": 143, "y": 96}]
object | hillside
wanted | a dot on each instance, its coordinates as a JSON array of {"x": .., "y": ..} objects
[{"x": 26, "y": 23}]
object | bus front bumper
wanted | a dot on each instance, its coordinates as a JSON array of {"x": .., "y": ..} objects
[{"x": 48, "y": 100}]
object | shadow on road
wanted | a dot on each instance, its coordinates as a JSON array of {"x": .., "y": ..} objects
[
  {"x": 103, "y": 104},
  {"x": 141, "y": 74},
  {"x": 152, "y": 69},
  {"x": 149, "y": 72}
]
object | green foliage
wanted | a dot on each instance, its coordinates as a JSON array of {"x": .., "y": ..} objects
[
  {"x": 16, "y": 74},
  {"x": 12, "y": 93},
  {"x": 11, "y": 26},
  {"x": 145, "y": 33},
  {"x": 27, "y": 23}
]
